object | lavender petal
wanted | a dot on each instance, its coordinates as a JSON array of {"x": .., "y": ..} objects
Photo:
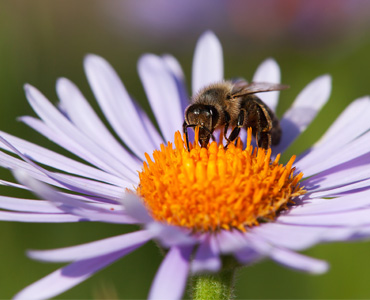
[
  {"x": 153, "y": 133},
  {"x": 170, "y": 280},
  {"x": 161, "y": 90},
  {"x": 117, "y": 105},
  {"x": 207, "y": 257},
  {"x": 60, "y": 125},
  {"x": 39, "y": 218},
  {"x": 333, "y": 205},
  {"x": 298, "y": 261},
  {"x": 27, "y": 205},
  {"x": 68, "y": 277},
  {"x": 56, "y": 160},
  {"x": 73, "y": 206},
  {"x": 72, "y": 182},
  {"x": 176, "y": 71},
  {"x": 93, "y": 249},
  {"x": 83, "y": 116}
]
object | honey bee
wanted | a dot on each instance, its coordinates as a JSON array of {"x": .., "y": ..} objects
[{"x": 233, "y": 105}]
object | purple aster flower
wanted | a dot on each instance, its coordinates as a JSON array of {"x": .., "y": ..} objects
[{"x": 178, "y": 198}]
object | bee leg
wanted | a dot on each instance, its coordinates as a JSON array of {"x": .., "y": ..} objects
[
  {"x": 235, "y": 132},
  {"x": 227, "y": 122},
  {"x": 185, "y": 130},
  {"x": 264, "y": 140},
  {"x": 261, "y": 128}
]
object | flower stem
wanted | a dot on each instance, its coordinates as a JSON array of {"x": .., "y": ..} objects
[{"x": 217, "y": 286}]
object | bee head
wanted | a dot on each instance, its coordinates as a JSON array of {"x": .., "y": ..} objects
[{"x": 204, "y": 116}]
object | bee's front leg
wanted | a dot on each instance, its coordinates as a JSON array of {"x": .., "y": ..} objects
[
  {"x": 185, "y": 130},
  {"x": 239, "y": 125}
]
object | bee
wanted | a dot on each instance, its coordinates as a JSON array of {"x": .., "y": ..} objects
[{"x": 233, "y": 105}]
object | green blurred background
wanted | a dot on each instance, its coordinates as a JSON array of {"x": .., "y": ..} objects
[{"x": 42, "y": 40}]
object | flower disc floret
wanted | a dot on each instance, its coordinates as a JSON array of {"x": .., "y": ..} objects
[{"x": 208, "y": 189}]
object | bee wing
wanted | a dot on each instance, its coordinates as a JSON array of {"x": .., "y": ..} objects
[
  {"x": 240, "y": 88},
  {"x": 238, "y": 84}
]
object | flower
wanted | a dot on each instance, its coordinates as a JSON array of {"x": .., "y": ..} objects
[{"x": 334, "y": 206}]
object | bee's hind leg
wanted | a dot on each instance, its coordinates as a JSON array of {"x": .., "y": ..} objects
[{"x": 264, "y": 140}]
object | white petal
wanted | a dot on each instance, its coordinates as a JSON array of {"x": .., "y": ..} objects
[
  {"x": 353, "y": 171},
  {"x": 304, "y": 109},
  {"x": 352, "y": 122},
  {"x": 208, "y": 62},
  {"x": 339, "y": 204},
  {"x": 334, "y": 192},
  {"x": 335, "y": 157},
  {"x": 268, "y": 71},
  {"x": 348, "y": 218},
  {"x": 350, "y": 125}
]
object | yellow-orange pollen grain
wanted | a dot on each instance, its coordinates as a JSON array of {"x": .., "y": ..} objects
[{"x": 210, "y": 189}]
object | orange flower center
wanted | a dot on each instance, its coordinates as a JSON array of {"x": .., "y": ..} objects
[{"x": 210, "y": 189}]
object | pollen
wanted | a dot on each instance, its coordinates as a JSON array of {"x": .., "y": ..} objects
[{"x": 210, "y": 189}]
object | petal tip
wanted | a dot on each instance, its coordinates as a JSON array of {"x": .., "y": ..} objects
[
  {"x": 208, "y": 34},
  {"x": 146, "y": 60},
  {"x": 210, "y": 38},
  {"x": 92, "y": 60},
  {"x": 320, "y": 268},
  {"x": 20, "y": 175},
  {"x": 272, "y": 61},
  {"x": 28, "y": 88},
  {"x": 62, "y": 83},
  {"x": 324, "y": 80}
]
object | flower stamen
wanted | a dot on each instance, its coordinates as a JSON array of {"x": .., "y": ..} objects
[{"x": 208, "y": 189}]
